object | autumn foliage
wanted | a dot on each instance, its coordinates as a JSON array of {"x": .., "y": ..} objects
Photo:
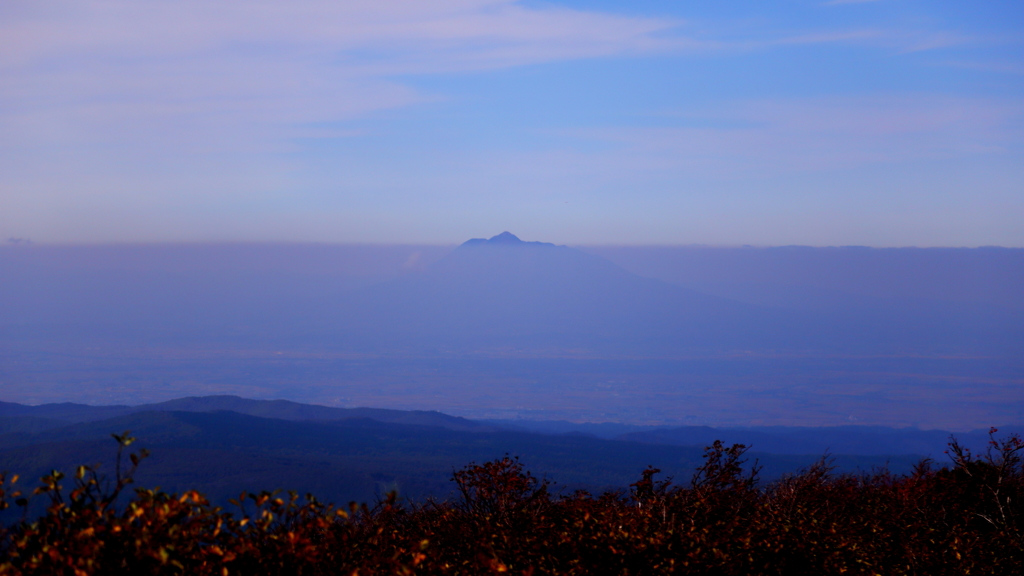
[{"x": 964, "y": 518}]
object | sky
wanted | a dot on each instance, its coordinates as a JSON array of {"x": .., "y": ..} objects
[{"x": 842, "y": 122}]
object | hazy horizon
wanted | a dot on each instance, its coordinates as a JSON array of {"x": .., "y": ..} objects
[
  {"x": 15, "y": 243},
  {"x": 691, "y": 335}
]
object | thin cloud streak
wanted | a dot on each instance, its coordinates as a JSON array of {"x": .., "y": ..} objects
[
  {"x": 157, "y": 29},
  {"x": 245, "y": 73},
  {"x": 772, "y": 137},
  {"x": 899, "y": 41},
  {"x": 241, "y": 73}
]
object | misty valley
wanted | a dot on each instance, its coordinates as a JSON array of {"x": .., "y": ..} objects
[{"x": 501, "y": 328}]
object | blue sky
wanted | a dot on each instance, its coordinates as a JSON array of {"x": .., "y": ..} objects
[{"x": 882, "y": 123}]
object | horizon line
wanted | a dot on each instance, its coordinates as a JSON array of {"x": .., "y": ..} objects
[{"x": 24, "y": 243}]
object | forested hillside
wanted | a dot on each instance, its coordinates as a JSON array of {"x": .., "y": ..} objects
[{"x": 963, "y": 519}]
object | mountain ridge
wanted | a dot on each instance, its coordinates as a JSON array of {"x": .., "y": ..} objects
[
  {"x": 279, "y": 409},
  {"x": 506, "y": 238},
  {"x": 849, "y": 439},
  {"x": 223, "y": 452}
]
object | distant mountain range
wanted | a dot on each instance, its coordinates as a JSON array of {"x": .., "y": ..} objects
[
  {"x": 66, "y": 413},
  {"x": 224, "y": 444},
  {"x": 850, "y": 440}
]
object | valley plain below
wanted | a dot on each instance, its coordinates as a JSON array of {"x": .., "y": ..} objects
[
  {"x": 506, "y": 329},
  {"x": 951, "y": 393}
]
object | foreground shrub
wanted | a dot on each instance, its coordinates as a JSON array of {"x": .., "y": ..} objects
[{"x": 962, "y": 519}]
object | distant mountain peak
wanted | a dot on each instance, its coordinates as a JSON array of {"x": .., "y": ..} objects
[{"x": 506, "y": 238}]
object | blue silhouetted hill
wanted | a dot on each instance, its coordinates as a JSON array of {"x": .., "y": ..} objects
[
  {"x": 506, "y": 238},
  {"x": 224, "y": 444},
  {"x": 223, "y": 452},
  {"x": 54, "y": 415}
]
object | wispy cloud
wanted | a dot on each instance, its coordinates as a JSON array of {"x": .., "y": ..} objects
[
  {"x": 253, "y": 74},
  {"x": 160, "y": 27},
  {"x": 771, "y": 137},
  {"x": 107, "y": 70},
  {"x": 899, "y": 41}
]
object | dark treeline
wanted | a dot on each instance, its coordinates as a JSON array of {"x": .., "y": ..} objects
[{"x": 961, "y": 519}]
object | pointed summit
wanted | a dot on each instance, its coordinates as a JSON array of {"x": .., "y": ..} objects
[{"x": 506, "y": 238}]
